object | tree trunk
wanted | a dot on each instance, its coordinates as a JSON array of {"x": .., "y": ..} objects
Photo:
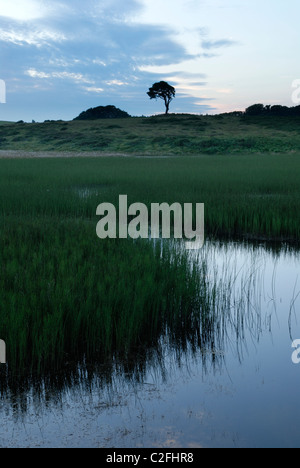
[{"x": 167, "y": 106}]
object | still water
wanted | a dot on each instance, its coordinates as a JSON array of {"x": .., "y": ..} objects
[{"x": 240, "y": 390}]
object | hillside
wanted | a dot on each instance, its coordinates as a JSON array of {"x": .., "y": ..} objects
[{"x": 173, "y": 134}]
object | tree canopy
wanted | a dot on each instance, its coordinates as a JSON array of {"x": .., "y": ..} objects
[
  {"x": 277, "y": 110},
  {"x": 163, "y": 91},
  {"x": 107, "y": 112}
]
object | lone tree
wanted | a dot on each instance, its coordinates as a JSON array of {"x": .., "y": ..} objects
[{"x": 163, "y": 91}]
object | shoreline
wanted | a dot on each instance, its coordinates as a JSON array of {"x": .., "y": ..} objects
[{"x": 17, "y": 154}]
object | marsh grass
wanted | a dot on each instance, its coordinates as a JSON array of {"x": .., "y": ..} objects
[
  {"x": 66, "y": 298},
  {"x": 65, "y": 295},
  {"x": 245, "y": 196}
]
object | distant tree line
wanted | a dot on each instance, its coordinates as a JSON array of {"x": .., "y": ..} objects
[{"x": 260, "y": 109}]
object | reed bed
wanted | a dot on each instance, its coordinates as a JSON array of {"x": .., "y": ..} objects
[
  {"x": 245, "y": 196},
  {"x": 65, "y": 295}
]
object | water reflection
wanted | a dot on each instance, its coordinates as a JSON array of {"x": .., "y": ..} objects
[{"x": 221, "y": 378}]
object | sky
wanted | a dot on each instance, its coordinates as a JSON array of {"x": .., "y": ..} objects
[{"x": 61, "y": 57}]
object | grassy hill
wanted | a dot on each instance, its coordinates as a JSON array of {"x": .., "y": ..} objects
[{"x": 173, "y": 134}]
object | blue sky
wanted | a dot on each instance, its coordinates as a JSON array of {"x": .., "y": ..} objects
[{"x": 60, "y": 57}]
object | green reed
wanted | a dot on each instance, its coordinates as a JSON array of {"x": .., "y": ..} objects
[
  {"x": 254, "y": 196},
  {"x": 66, "y": 295}
]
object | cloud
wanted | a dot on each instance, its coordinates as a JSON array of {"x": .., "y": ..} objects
[
  {"x": 93, "y": 89},
  {"x": 116, "y": 83},
  {"x": 218, "y": 44},
  {"x": 36, "y": 38},
  {"x": 23, "y": 10},
  {"x": 76, "y": 77},
  {"x": 224, "y": 91},
  {"x": 86, "y": 50}
]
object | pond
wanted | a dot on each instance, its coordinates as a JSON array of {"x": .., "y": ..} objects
[{"x": 239, "y": 388}]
